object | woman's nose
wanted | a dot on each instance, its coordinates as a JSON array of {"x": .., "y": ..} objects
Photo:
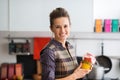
[{"x": 62, "y": 30}]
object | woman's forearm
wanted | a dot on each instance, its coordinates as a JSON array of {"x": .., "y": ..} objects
[{"x": 70, "y": 77}]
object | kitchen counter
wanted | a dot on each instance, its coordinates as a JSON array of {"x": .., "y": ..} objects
[{"x": 115, "y": 57}]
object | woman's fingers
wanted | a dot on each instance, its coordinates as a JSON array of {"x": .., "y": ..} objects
[{"x": 80, "y": 73}]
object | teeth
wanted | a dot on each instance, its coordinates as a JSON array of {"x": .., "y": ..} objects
[{"x": 62, "y": 34}]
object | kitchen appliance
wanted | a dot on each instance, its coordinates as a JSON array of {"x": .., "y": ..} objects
[
  {"x": 97, "y": 73},
  {"x": 29, "y": 65},
  {"x": 26, "y": 47},
  {"x": 12, "y": 47},
  {"x": 104, "y": 61},
  {"x": 103, "y": 65},
  {"x": 3, "y": 71},
  {"x": 10, "y": 71}
]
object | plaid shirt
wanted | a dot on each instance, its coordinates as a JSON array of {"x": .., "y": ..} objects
[{"x": 57, "y": 61}]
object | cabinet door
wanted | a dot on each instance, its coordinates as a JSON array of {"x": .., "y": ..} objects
[
  {"x": 3, "y": 15},
  {"x": 33, "y": 15}
]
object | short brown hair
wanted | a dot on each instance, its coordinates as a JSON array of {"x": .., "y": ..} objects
[{"x": 58, "y": 12}]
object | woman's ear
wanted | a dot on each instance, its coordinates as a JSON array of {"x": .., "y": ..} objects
[{"x": 51, "y": 28}]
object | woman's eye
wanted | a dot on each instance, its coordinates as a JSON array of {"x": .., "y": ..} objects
[
  {"x": 65, "y": 26},
  {"x": 57, "y": 26}
]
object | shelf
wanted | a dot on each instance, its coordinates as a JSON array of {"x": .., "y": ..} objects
[
  {"x": 20, "y": 53},
  {"x": 73, "y": 35},
  {"x": 96, "y": 36}
]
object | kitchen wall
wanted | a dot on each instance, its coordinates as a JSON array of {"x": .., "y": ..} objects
[
  {"x": 106, "y": 9},
  {"x": 28, "y": 15},
  {"x": 4, "y": 56},
  {"x": 109, "y": 9}
]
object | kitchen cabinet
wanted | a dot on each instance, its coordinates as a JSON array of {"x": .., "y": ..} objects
[
  {"x": 33, "y": 15},
  {"x": 4, "y": 15}
]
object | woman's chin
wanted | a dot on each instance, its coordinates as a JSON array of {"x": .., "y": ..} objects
[{"x": 63, "y": 38}]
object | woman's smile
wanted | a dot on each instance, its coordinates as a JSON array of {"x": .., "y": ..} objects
[{"x": 61, "y": 28}]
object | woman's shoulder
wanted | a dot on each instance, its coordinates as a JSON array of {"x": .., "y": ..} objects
[{"x": 49, "y": 48}]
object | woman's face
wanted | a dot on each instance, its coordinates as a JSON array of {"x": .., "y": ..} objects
[{"x": 61, "y": 28}]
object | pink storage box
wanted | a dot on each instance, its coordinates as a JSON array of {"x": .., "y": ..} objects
[
  {"x": 107, "y": 21},
  {"x": 107, "y": 25}
]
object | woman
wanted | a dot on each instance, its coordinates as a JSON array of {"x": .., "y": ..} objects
[{"x": 58, "y": 57}]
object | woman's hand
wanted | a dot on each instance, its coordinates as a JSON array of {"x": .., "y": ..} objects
[{"x": 80, "y": 73}]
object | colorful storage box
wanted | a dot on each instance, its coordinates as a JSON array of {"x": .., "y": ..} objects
[
  {"x": 115, "y": 25},
  {"x": 98, "y": 25},
  {"x": 107, "y": 25}
]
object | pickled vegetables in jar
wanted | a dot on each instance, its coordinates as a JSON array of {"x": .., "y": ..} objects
[{"x": 88, "y": 61}]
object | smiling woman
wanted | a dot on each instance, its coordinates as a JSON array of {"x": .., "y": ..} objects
[{"x": 58, "y": 57}]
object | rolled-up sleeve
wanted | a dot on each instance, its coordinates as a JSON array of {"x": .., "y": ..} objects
[{"x": 48, "y": 64}]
